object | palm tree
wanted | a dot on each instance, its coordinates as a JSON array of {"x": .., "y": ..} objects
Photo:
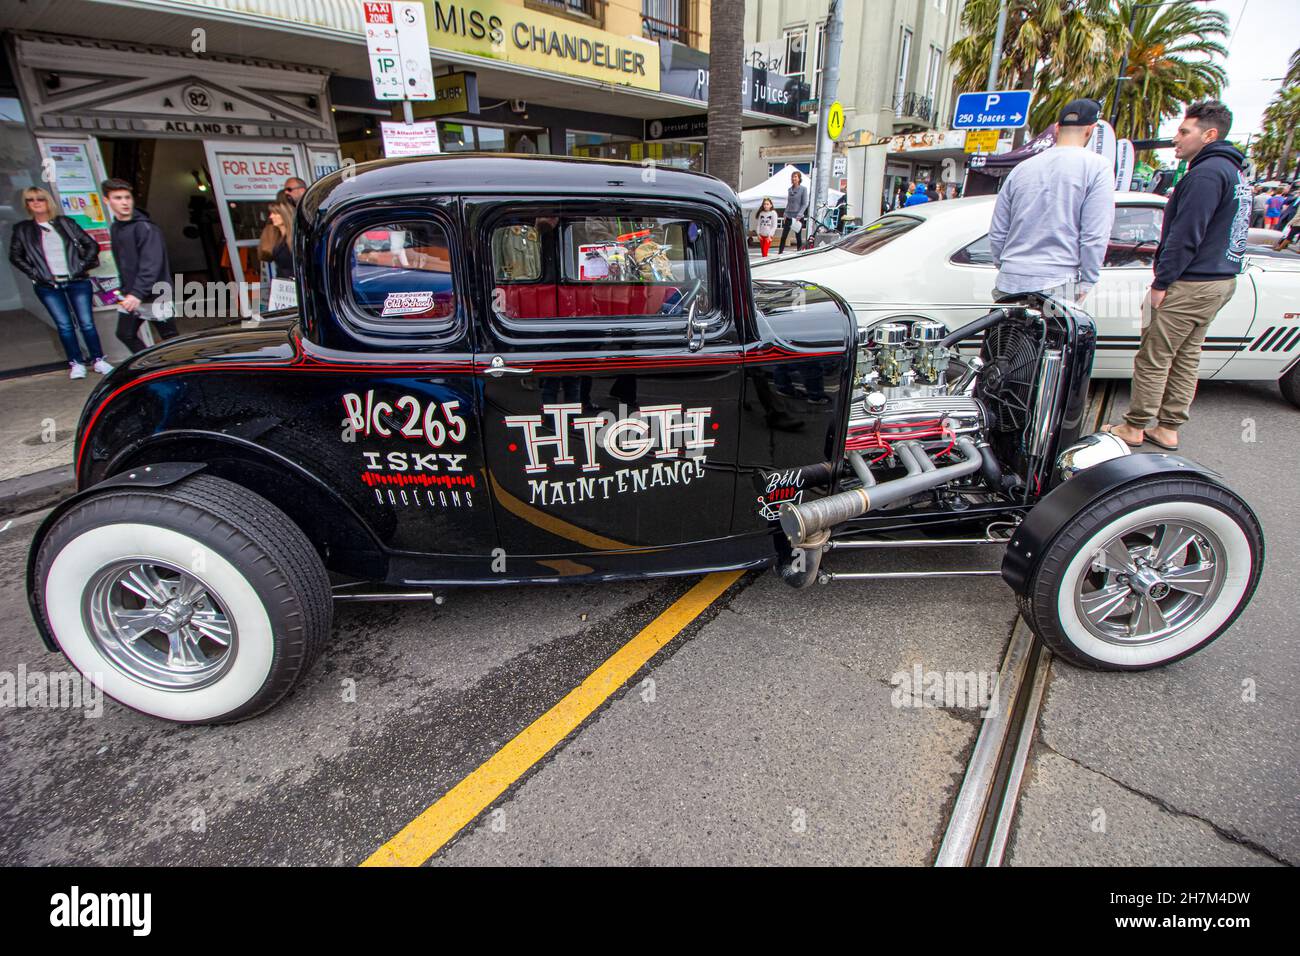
[
  {"x": 1171, "y": 63},
  {"x": 1280, "y": 119},
  {"x": 1060, "y": 49},
  {"x": 726, "y": 66},
  {"x": 1293, "y": 69}
]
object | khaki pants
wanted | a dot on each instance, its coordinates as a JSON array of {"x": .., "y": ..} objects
[{"x": 1164, "y": 372}]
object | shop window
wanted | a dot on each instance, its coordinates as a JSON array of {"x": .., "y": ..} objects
[
  {"x": 400, "y": 276},
  {"x": 598, "y": 267}
]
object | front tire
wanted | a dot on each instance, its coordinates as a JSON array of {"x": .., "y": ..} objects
[
  {"x": 1290, "y": 385},
  {"x": 1146, "y": 576},
  {"x": 198, "y": 603}
]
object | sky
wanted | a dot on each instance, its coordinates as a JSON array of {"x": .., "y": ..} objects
[{"x": 1264, "y": 35}]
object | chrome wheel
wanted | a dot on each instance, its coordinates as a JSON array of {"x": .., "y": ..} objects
[
  {"x": 1150, "y": 582},
  {"x": 159, "y": 624}
]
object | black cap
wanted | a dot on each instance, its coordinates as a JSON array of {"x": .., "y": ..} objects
[{"x": 1082, "y": 112}]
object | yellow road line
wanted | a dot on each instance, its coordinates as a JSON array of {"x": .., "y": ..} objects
[{"x": 426, "y": 834}]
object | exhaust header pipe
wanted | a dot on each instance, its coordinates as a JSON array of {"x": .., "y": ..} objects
[{"x": 802, "y": 522}]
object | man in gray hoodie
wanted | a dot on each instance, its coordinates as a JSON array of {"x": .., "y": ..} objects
[
  {"x": 1052, "y": 220},
  {"x": 796, "y": 210}
]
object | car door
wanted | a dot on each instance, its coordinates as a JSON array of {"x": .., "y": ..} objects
[
  {"x": 611, "y": 367},
  {"x": 401, "y": 392}
]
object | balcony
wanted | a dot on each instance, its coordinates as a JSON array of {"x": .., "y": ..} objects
[{"x": 914, "y": 109}]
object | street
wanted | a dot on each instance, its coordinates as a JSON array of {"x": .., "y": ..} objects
[{"x": 767, "y": 729}]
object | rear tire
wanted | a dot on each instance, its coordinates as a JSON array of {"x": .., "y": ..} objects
[
  {"x": 1146, "y": 576},
  {"x": 198, "y": 603},
  {"x": 1290, "y": 385}
]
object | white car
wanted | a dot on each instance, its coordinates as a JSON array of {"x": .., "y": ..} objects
[{"x": 932, "y": 261}]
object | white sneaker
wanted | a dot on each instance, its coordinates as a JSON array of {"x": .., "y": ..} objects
[
  {"x": 78, "y": 370},
  {"x": 102, "y": 367}
]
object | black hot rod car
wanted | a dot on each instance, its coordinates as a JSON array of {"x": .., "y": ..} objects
[{"x": 509, "y": 370}]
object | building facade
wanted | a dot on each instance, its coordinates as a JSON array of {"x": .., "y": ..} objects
[
  {"x": 895, "y": 81},
  {"x": 207, "y": 106}
]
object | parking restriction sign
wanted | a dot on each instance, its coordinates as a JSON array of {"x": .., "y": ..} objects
[{"x": 397, "y": 42}]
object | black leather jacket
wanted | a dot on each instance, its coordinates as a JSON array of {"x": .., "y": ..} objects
[{"x": 27, "y": 252}]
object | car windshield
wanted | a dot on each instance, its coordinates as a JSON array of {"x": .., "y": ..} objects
[{"x": 876, "y": 234}]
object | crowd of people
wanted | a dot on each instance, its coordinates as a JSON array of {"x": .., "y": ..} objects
[{"x": 57, "y": 255}]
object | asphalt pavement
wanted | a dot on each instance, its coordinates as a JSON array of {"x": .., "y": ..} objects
[{"x": 769, "y": 730}]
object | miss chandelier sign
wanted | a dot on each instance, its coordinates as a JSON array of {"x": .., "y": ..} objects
[{"x": 500, "y": 31}]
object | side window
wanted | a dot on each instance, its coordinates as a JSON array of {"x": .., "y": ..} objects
[
  {"x": 1134, "y": 237},
  {"x": 978, "y": 253},
  {"x": 400, "y": 276},
  {"x": 602, "y": 267}
]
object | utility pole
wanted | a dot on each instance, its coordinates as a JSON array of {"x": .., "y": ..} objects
[
  {"x": 995, "y": 61},
  {"x": 825, "y": 97}
]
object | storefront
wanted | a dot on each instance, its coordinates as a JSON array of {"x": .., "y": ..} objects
[{"x": 206, "y": 143}]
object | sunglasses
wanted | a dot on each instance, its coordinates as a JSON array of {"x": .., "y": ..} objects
[{"x": 35, "y": 199}]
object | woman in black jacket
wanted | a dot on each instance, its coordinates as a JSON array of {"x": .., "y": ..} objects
[
  {"x": 56, "y": 254},
  {"x": 277, "y": 238}
]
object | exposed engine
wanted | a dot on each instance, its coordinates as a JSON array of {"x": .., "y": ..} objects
[{"x": 932, "y": 426}]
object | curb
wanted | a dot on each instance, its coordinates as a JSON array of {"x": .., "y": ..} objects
[{"x": 38, "y": 490}]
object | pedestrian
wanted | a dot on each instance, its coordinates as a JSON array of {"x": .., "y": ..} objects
[
  {"x": 1052, "y": 217},
  {"x": 932, "y": 192},
  {"x": 1292, "y": 198},
  {"x": 276, "y": 243},
  {"x": 1202, "y": 240},
  {"x": 796, "y": 209},
  {"x": 294, "y": 188},
  {"x": 916, "y": 195},
  {"x": 142, "y": 266},
  {"x": 767, "y": 220},
  {"x": 1274, "y": 209},
  {"x": 1258, "y": 207},
  {"x": 57, "y": 255}
]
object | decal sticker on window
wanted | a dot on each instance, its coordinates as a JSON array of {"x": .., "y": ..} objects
[
  {"x": 594, "y": 259},
  {"x": 407, "y": 303}
]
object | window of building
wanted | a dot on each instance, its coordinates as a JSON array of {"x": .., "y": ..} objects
[
  {"x": 932, "y": 79},
  {"x": 400, "y": 276},
  {"x": 601, "y": 267},
  {"x": 821, "y": 60},
  {"x": 665, "y": 19},
  {"x": 904, "y": 58},
  {"x": 795, "y": 42},
  {"x": 585, "y": 7}
]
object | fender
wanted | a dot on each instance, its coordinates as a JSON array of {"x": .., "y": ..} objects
[
  {"x": 147, "y": 476},
  {"x": 1059, "y": 506}
]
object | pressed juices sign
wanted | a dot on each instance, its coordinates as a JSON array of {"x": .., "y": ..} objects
[{"x": 501, "y": 31}]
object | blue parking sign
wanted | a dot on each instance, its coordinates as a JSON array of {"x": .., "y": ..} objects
[{"x": 993, "y": 109}]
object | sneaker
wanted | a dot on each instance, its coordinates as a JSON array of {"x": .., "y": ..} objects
[
  {"x": 102, "y": 367},
  {"x": 78, "y": 370}
]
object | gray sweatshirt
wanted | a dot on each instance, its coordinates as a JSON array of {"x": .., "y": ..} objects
[
  {"x": 1052, "y": 220},
  {"x": 796, "y": 201}
]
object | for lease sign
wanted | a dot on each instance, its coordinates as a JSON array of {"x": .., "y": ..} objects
[{"x": 254, "y": 175}]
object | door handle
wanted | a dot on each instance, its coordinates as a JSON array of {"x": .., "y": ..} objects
[
  {"x": 498, "y": 367},
  {"x": 695, "y": 329}
]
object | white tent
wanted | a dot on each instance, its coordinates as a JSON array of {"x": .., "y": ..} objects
[{"x": 776, "y": 187}]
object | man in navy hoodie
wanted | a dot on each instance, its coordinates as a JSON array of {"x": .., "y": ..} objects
[{"x": 1207, "y": 221}]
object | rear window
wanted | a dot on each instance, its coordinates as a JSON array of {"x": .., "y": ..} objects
[
  {"x": 873, "y": 236},
  {"x": 400, "y": 275},
  {"x": 598, "y": 267}
]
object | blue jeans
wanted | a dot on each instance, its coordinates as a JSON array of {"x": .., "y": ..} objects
[{"x": 63, "y": 299}]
